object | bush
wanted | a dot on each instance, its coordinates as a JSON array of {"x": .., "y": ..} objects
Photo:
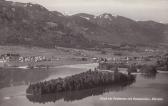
[{"x": 148, "y": 69}]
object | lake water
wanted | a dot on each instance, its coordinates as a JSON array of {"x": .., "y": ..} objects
[{"x": 151, "y": 90}]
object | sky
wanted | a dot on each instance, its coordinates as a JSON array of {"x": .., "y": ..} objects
[{"x": 138, "y": 10}]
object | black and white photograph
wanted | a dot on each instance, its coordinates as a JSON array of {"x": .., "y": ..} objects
[{"x": 83, "y": 52}]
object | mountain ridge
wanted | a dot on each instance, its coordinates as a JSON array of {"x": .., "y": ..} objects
[{"x": 34, "y": 25}]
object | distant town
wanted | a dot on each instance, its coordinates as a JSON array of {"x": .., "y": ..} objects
[{"x": 16, "y": 60}]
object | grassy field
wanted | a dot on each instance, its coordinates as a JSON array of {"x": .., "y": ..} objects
[
  {"x": 59, "y": 56},
  {"x": 69, "y": 56}
]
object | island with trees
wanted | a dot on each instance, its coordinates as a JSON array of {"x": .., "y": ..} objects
[{"x": 86, "y": 80}]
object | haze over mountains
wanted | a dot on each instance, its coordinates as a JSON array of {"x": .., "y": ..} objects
[{"x": 34, "y": 25}]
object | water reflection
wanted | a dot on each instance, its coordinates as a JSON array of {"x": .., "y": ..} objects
[
  {"x": 78, "y": 95},
  {"x": 14, "y": 77},
  {"x": 149, "y": 75}
]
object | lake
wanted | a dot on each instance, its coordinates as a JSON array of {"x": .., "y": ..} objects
[{"x": 147, "y": 90}]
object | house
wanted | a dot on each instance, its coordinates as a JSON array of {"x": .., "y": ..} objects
[{"x": 10, "y": 57}]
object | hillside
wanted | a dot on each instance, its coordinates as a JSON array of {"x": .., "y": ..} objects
[{"x": 34, "y": 25}]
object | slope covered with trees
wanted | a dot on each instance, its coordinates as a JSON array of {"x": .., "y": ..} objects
[{"x": 34, "y": 25}]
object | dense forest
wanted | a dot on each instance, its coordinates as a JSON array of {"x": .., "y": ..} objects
[
  {"x": 85, "y": 80},
  {"x": 79, "y": 94},
  {"x": 162, "y": 64}
]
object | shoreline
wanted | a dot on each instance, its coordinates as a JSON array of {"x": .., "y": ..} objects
[{"x": 78, "y": 66}]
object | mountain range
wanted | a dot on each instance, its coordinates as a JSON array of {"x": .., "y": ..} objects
[{"x": 34, "y": 25}]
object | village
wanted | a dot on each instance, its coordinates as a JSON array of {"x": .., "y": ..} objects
[
  {"x": 11, "y": 60},
  {"x": 16, "y": 60}
]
